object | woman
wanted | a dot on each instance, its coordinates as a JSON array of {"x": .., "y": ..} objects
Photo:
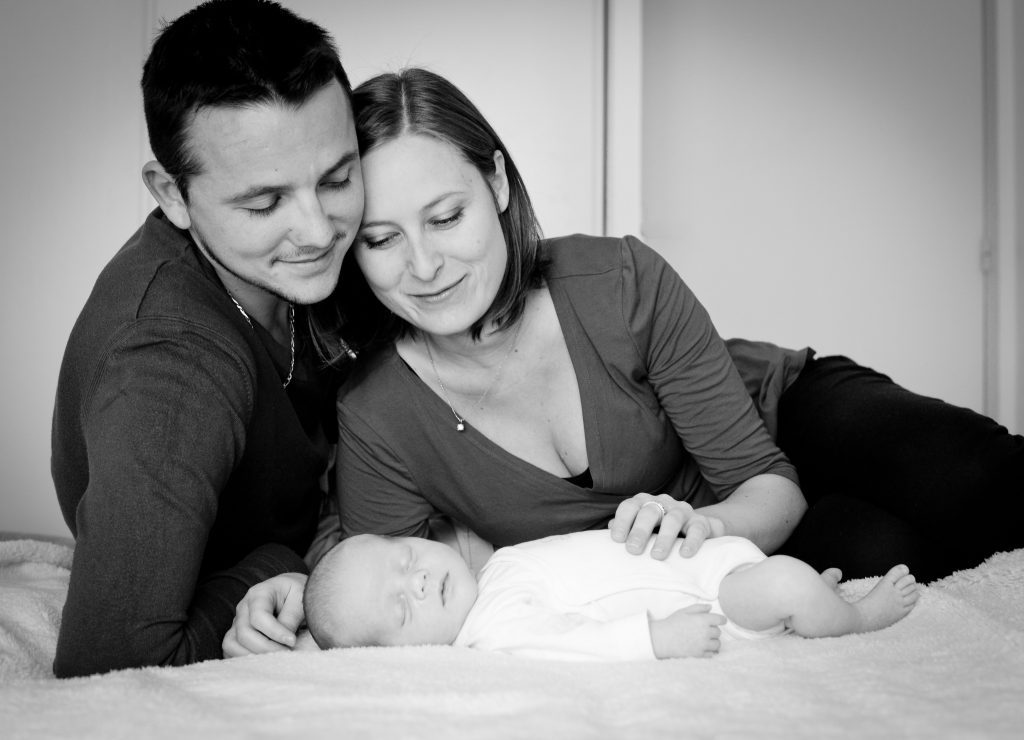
[
  {"x": 495, "y": 398},
  {"x": 589, "y": 358},
  {"x": 528, "y": 387}
]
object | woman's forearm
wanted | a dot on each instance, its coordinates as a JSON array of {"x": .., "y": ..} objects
[{"x": 765, "y": 509}]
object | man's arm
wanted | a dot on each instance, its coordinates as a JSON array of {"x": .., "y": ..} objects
[{"x": 165, "y": 427}]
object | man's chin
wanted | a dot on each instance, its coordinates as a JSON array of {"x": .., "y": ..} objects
[
  {"x": 308, "y": 292},
  {"x": 312, "y": 283}
]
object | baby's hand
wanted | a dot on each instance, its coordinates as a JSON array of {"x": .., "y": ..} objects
[{"x": 692, "y": 632}]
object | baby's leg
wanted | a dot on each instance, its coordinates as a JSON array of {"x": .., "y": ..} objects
[{"x": 784, "y": 589}]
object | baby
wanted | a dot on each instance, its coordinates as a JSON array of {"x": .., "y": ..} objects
[{"x": 583, "y": 597}]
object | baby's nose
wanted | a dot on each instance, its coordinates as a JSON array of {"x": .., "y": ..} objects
[{"x": 419, "y": 584}]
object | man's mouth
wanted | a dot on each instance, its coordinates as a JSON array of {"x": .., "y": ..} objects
[{"x": 314, "y": 256}]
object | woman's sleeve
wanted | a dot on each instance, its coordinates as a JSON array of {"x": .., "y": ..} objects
[
  {"x": 376, "y": 494},
  {"x": 693, "y": 376}
]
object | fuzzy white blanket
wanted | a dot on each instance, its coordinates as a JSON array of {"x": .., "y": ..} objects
[{"x": 953, "y": 668}]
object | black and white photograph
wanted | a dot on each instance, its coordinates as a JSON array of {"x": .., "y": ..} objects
[{"x": 489, "y": 369}]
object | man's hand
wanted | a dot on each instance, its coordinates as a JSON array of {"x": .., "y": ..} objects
[
  {"x": 692, "y": 632},
  {"x": 267, "y": 617}
]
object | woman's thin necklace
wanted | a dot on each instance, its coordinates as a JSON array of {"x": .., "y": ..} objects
[
  {"x": 291, "y": 331},
  {"x": 460, "y": 425}
]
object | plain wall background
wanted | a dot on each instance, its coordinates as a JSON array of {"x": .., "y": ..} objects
[
  {"x": 72, "y": 140},
  {"x": 69, "y": 193},
  {"x": 816, "y": 171}
]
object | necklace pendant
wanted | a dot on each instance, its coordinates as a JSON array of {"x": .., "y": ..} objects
[{"x": 460, "y": 427}]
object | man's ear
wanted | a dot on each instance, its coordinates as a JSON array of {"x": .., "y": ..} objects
[
  {"x": 499, "y": 182},
  {"x": 167, "y": 194}
]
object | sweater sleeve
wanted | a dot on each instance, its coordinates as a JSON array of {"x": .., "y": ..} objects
[
  {"x": 376, "y": 493},
  {"x": 164, "y": 424},
  {"x": 693, "y": 376}
]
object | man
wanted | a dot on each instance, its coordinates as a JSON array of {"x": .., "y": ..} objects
[{"x": 194, "y": 420}]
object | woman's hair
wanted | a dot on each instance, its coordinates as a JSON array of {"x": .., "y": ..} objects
[{"x": 417, "y": 101}]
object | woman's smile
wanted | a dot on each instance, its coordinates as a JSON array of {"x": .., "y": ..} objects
[{"x": 440, "y": 295}]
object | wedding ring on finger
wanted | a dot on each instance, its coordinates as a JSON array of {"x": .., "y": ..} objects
[{"x": 655, "y": 503}]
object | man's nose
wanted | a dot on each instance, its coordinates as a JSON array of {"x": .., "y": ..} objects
[{"x": 312, "y": 226}]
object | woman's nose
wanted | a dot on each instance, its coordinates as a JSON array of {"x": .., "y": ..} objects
[{"x": 424, "y": 262}]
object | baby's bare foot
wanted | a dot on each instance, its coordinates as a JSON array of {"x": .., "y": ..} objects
[
  {"x": 832, "y": 576},
  {"x": 889, "y": 601}
]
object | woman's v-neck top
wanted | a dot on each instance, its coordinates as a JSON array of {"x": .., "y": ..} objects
[{"x": 664, "y": 411}]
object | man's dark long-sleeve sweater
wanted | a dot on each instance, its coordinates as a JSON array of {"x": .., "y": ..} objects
[{"x": 186, "y": 472}]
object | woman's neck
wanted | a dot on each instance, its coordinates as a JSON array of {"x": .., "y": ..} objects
[{"x": 463, "y": 351}]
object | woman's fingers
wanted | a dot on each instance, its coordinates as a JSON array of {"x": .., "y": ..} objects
[
  {"x": 637, "y": 518},
  {"x": 635, "y": 521},
  {"x": 676, "y": 514},
  {"x": 625, "y": 515},
  {"x": 698, "y": 529},
  {"x": 647, "y": 519},
  {"x": 620, "y": 525}
]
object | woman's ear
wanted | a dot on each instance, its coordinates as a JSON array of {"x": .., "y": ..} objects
[
  {"x": 163, "y": 188},
  {"x": 499, "y": 182}
]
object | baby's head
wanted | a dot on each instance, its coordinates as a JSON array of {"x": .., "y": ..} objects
[{"x": 372, "y": 590}]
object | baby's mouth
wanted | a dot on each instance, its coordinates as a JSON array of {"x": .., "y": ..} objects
[{"x": 444, "y": 589}]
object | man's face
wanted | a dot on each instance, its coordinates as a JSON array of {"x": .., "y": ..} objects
[{"x": 279, "y": 197}]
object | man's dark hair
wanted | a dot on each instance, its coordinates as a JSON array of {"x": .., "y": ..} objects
[{"x": 229, "y": 53}]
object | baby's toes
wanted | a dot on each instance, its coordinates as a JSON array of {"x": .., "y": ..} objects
[
  {"x": 905, "y": 582},
  {"x": 908, "y": 592},
  {"x": 897, "y": 573}
]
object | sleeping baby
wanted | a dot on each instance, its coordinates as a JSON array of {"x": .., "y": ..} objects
[{"x": 583, "y": 597}]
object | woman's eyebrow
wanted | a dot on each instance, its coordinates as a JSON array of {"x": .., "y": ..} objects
[{"x": 424, "y": 209}]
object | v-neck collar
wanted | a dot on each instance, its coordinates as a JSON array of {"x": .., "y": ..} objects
[{"x": 576, "y": 342}]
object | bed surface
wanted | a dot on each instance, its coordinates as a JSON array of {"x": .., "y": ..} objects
[{"x": 953, "y": 668}]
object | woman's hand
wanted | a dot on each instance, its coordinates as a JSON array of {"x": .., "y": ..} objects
[
  {"x": 637, "y": 517},
  {"x": 267, "y": 617}
]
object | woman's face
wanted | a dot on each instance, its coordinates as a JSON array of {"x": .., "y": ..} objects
[{"x": 430, "y": 245}]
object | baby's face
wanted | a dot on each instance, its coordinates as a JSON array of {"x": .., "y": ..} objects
[{"x": 404, "y": 591}]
